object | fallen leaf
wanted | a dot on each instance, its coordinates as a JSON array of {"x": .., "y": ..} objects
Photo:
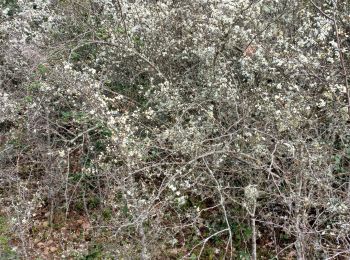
[
  {"x": 85, "y": 225},
  {"x": 45, "y": 224}
]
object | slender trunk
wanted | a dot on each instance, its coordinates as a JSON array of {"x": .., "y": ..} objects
[
  {"x": 253, "y": 239},
  {"x": 144, "y": 255}
]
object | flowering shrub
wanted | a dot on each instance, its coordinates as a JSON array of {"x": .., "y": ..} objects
[{"x": 175, "y": 129}]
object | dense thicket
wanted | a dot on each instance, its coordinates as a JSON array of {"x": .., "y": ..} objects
[{"x": 197, "y": 129}]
